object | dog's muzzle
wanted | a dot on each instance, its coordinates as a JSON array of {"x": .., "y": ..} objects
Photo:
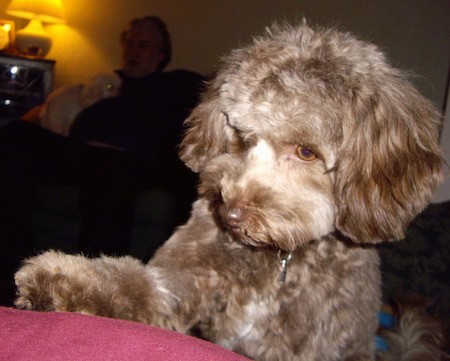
[{"x": 236, "y": 221}]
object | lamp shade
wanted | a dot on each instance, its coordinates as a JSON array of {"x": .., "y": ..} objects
[
  {"x": 48, "y": 11},
  {"x": 33, "y": 40}
]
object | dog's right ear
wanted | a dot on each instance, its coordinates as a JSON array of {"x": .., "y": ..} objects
[
  {"x": 390, "y": 161},
  {"x": 207, "y": 132}
]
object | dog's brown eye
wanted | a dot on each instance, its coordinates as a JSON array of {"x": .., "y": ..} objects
[{"x": 305, "y": 153}]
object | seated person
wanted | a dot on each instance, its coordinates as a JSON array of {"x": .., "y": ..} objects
[{"x": 117, "y": 148}]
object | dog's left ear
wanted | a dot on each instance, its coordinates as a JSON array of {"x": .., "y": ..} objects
[
  {"x": 208, "y": 132},
  {"x": 389, "y": 163}
]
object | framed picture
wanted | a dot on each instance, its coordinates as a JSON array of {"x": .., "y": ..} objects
[{"x": 7, "y": 32}]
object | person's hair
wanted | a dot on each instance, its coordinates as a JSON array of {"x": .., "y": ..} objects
[{"x": 162, "y": 27}]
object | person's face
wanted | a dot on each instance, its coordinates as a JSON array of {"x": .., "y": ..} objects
[{"x": 141, "y": 51}]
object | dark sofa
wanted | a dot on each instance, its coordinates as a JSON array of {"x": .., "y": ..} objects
[
  {"x": 418, "y": 266},
  {"x": 56, "y": 220}
]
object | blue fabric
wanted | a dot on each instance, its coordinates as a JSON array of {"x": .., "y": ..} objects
[
  {"x": 380, "y": 344},
  {"x": 386, "y": 320}
]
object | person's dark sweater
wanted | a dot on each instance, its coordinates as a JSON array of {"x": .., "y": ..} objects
[{"x": 146, "y": 118}]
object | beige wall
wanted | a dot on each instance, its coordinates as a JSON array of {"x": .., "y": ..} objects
[{"x": 414, "y": 33}]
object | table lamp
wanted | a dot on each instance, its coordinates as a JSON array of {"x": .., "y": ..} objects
[{"x": 33, "y": 40}]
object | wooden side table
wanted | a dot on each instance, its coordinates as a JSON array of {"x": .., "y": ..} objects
[{"x": 24, "y": 84}]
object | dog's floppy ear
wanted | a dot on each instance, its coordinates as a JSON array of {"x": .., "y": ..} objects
[
  {"x": 207, "y": 132},
  {"x": 389, "y": 163}
]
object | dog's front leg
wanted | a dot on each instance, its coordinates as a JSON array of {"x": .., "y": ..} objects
[{"x": 111, "y": 287}]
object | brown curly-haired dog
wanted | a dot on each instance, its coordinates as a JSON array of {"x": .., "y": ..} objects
[{"x": 310, "y": 149}]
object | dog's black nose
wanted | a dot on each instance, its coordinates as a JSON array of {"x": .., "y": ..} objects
[
  {"x": 232, "y": 216},
  {"x": 235, "y": 216}
]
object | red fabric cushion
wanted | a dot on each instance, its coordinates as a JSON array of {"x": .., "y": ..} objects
[{"x": 28, "y": 335}]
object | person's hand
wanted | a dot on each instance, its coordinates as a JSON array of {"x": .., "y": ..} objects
[{"x": 32, "y": 115}]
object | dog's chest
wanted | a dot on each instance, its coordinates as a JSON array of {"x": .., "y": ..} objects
[
  {"x": 262, "y": 310},
  {"x": 245, "y": 323},
  {"x": 258, "y": 303}
]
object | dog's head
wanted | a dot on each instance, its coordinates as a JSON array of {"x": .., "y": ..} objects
[
  {"x": 356, "y": 144},
  {"x": 102, "y": 85}
]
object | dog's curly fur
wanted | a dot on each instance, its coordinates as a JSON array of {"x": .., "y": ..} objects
[
  {"x": 310, "y": 149},
  {"x": 64, "y": 103},
  {"x": 416, "y": 336}
]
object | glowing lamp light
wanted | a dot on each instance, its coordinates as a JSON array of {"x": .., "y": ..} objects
[
  {"x": 6, "y": 28},
  {"x": 33, "y": 40}
]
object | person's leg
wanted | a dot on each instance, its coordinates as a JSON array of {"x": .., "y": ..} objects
[
  {"x": 109, "y": 181},
  {"x": 16, "y": 236},
  {"x": 29, "y": 155},
  {"x": 107, "y": 201}
]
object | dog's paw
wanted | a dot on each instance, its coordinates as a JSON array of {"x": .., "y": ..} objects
[{"x": 48, "y": 282}]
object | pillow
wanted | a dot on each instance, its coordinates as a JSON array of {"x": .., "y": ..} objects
[{"x": 29, "y": 335}]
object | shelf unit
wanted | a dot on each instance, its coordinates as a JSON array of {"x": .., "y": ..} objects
[{"x": 24, "y": 84}]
